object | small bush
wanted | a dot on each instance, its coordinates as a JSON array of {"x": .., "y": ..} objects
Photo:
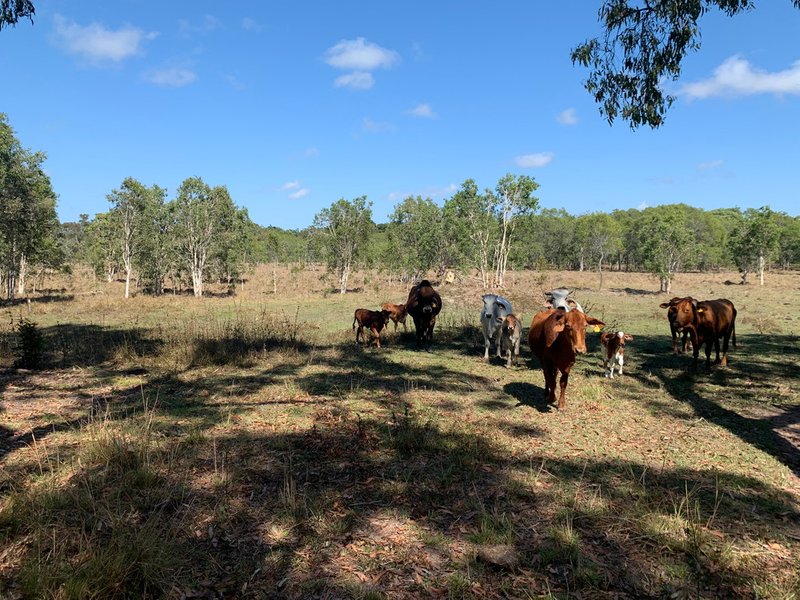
[{"x": 29, "y": 348}]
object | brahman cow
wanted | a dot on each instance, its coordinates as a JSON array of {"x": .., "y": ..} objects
[
  {"x": 374, "y": 320},
  {"x": 672, "y": 313},
  {"x": 614, "y": 346},
  {"x": 510, "y": 335},
  {"x": 707, "y": 321},
  {"x": 494, "y": 311},
  {"x": 556, "y": 337},
  {"x": 423, "y": 304},
  {"x": 397, "y": 314}
]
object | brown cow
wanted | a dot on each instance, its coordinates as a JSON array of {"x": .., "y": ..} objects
[
  {"x": 423, "y": 304},
  {"x": 707, "y": 321},
  {"x": 556, "y": 337},
  {"x": 374, "y": 320},
  {"x": 672, "y": 313},
  {"x": 614, "y": 345},
  {"x": 397, "y": 314}
]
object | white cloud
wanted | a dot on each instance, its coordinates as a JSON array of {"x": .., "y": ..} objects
[
  {"x": 431, "y": 192},
  {"x": 360, "y": 55},
  {"x": 234, "y": 82},
  {"x": 711, "y": 164},
  {"x": 96, "y": 43},
  {"x": 207, "y": 24},
  {"x": 301, "y": 193},
  {"x": 737, "y": 77},
  {"x": 249, "y": 24},
  {"x": 642, "y": 206},
  {"x": 171, "y": 76},
  {"x": 529, "y": 161},
  {"x": 290, "y": 185},
  {"x": 567, "y": 117},
  {"x": 376, "y": 126},
  {"x": 424, "y": 111},
  {"x": 358, "y": 80}
]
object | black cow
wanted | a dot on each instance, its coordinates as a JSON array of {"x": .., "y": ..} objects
[{"x": 423, "y": 304}]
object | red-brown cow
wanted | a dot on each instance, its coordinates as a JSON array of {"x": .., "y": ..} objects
[
  {"x": 672, "y": 313},
  {"x": 707, "y": 322},
  {"x": 397, "y": 314},
  {"x": 556, "y": 337},
  {"x": 614, "y": 346},
  {"x": 423, "y": 304},
  {"x": 373, "y": 320}
]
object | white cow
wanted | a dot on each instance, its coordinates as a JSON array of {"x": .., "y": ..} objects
[{"x": 494, "y": 311}]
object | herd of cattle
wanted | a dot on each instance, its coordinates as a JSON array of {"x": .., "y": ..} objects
[{"x": 558, "y": 332}]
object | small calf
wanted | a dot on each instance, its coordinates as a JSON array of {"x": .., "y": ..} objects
[
  {"x": 614, "y": 344},
  {"x": 510, "y": 334},
  {"x": 374, "y": 320},
  {"x": 397, "y": 314}
]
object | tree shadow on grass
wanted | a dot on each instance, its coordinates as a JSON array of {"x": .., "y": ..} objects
[
  {"x": 390, "y": 506},
  {"x": 755, "y": 372}
]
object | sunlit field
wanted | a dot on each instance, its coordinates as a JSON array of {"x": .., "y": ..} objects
[{"x": 245, "y": 447}]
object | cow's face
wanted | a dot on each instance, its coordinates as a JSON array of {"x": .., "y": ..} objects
[
  {"x": 680, "y": 311},
  {"x": 573, "y": 325}
]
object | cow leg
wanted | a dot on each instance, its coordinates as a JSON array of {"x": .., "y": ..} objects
[
  {"x": 550, "y": 383},
  {"x": 708, "y": 354},
  {"x": 563, "y": 395},
  {"x": 377, "y": 335},
  {"x": 725, "y": 348},
  {"x": 675, "y": 343},
  {"x": 497, "y": 342},
  {"x": 716, "y": 348},
  {"x": 485, "y": 347},
  {"x": 509, "y": 354},
  {"x": 358, "y": 332}
]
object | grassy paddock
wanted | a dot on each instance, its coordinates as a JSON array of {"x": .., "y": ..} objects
[{"x": 243, "y": 446}]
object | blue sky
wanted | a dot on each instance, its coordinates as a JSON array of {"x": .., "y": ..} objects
[{"x": 295, "y": 105}]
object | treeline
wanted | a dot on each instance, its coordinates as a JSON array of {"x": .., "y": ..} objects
[{"x": 155, "y": 242}]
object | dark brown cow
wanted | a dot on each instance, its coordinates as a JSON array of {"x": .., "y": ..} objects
[
  {"x": 397, "y": 314},
  {"x": 707, "y": 321},
  {"x": 423, "y": 304},
  {"x": 373, "y": 320},
  {"x": 556, "y": 337},
  {"x": 672, "y": 313},
  {"x": 614, "y": 347}
]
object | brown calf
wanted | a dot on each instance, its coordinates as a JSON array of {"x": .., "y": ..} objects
[
  {"x": 556, "y": 337},
  {"x": 614, "y": 345},
  {"x": 510, "y": 334},
  {"x": 672, "y": 314},
  {"x": 397, "y": 313},
  {"x": 373, "y": 320},
  {"x": 707, "y": 321}
]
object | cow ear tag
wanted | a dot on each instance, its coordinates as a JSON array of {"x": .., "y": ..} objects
[{"x": 596, "y": 328}]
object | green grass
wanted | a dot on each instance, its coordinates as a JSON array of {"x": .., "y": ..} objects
[{"x": 174, "y": 446}]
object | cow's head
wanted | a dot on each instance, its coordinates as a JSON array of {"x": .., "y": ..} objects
[
  {"x": 571, "y": 324},
  {"x": 680, "y": 311}
]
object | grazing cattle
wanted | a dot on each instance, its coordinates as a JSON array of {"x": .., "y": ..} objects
[
  {"x": 494, "y": 311},
  {"x": 672, "y": 314},
  {"x": 510, "y": 335},
  {"x": 614, "y": 346},
  {"x": 373, "y": 320},
  {"x": 423, "y": 304},
  {"x": 707, "y": 321},
  {"x": 397, "y": 314},
  {"x": 556, "y": 337}
]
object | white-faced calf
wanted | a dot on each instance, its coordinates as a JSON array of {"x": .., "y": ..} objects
[{"x": 614, "y": 355}]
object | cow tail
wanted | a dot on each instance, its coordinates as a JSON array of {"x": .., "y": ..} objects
[
  {"x": 733, "y": 334},
  {"x": 354, "y": 322}
]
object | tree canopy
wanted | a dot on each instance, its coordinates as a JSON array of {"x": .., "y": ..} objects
[{"x": 642, "y": 46}]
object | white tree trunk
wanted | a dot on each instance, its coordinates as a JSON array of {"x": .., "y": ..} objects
[
  {"x": 345, "y": 275},
  {"x": 761, "y": 262},
  {"x": 23, "y": 269}
]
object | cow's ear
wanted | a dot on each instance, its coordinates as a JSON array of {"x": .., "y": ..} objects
[
  {"x": 596, "y": 322},
  {"x": 628, "y": 337},
  {"x": 553, "y": 326},
  {"x": 694, "y": 302},
  {"x": 665, "y": 305},
  {"x": 604, "y": 337}
]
